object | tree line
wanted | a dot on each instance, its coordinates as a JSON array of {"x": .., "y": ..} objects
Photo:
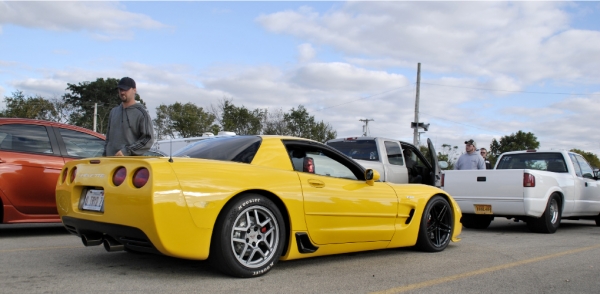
[
  {"x": 182, "y": 120},
  {"x": 177, "y": 120}
]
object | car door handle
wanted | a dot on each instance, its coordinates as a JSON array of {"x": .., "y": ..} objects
[{"x": 316, "y": 183}]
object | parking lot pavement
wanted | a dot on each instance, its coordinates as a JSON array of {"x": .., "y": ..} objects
[{"x": 505, "y": 258}]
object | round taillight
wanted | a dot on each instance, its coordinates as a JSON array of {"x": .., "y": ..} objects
[
  {"x": 73, "y": 174},
  {"x": 140, "y": 177},
  {"x": 63, "y": 177},
  {"x": 119, "y": 176}
]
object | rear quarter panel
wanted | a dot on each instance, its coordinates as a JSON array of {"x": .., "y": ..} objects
[{"x": 158, "y": 208}]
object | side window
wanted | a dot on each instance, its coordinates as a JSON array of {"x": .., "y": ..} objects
[
  {"x": 80, "y": 144},
  {"x": 576, "y": 165},
  {"x": 394, "y": 153},
  {"x": 314, "y": 161},
  {"x": 25, "y": 138},
  {"x": 586, "y": 169}
]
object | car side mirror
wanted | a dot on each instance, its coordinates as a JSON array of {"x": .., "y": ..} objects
[
  {"x": 443, "y": 164},
  {"x": 371, "y": 176},
  {"x": 596, "y": 174}
]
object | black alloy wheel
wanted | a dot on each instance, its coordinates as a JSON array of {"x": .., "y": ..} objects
[{"x": 437, "y": 225}]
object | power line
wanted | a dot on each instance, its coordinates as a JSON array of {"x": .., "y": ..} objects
[
  {"x": 499, "y": 90},
  {"x": 381, "y": 93}
]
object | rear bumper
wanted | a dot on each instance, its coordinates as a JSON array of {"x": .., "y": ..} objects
[
  {"x": 504, "y": 207},
  {"x": 132, "y": 238}
]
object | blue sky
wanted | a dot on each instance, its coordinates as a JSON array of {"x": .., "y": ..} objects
[{"x": 488, "y": 69}]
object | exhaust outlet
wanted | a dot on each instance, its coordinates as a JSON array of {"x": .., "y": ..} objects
[
  {"x": 91, "y": 240},
  {"x": 112, "y": 245}
]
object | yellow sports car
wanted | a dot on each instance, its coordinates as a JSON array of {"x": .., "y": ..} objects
[{"x": 245, "y": 202}]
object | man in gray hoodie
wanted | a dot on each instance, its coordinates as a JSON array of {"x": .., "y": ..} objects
[
  {"x": 471, "y": 159},
  {"x": 130, "y": 130}
]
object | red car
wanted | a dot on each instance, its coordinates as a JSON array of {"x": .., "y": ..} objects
[{"x": 32, "y": 154}]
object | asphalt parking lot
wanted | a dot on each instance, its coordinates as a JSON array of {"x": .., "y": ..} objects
[{"x": 505, "y": 258}]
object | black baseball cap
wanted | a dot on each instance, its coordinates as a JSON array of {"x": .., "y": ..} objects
[
  {"x": 126, "y": 83},
  {"x": 471, "y": 142}
]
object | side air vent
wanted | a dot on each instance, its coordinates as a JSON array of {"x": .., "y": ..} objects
[
  {"x": 304, "y": 244},
  {"x": 410, "y": 216}
]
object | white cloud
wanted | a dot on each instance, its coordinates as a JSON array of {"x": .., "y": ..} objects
[
  {"x": 343, "y": 76},
  {"x": 306, "y": 52},
  {"x": 103, "y": 20},
  {"x": 529, "y": 41}
]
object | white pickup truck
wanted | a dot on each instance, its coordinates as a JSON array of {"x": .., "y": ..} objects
[
  {"x": 538, "y": 187},
  {"x": 396, "y": 161}
]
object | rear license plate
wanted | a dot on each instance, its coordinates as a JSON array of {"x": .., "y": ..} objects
[
  {"x": 483, "y": 209},
  {"x": 94, "y": 199}
]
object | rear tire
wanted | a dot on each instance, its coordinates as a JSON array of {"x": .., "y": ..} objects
[
  {"x": 437, "y": 224},
  {"x": 248, "y": 237},
  {"x": 479, "y": 222},
  {"x": 549, "y": 222}
]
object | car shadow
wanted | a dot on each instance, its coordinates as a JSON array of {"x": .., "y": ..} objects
[
  {"x": 503, "y": 225},
  {"x": 23, "y": 230}
]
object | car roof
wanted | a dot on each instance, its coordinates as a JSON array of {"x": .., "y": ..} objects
[
  {"x": 29, "y": 121},
  {"x": 368, "y": 138}
]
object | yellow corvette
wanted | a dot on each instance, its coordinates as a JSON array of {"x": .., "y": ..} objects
[{"x": 245, "y": 202}]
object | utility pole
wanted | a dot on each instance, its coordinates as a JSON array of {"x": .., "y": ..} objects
[
  {"x": 416, "y": 123},
  {"x": 95, "y": 114},
  {"x": 366, "y": 126}
]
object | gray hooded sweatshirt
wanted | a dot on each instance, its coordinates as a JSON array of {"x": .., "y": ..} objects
[{"x": 129, "y": 130}]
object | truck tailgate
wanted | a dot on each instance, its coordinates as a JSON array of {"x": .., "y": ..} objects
[{"x": 502, "y": 190}]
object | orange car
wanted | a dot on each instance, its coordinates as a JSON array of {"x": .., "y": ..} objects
[{"x": 32, "y": 154}]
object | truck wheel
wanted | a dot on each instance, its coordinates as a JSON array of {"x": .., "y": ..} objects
[
  {"x": 248, "y": 237},
  {"x": 479, "y": 222},
  {"x": 437, "y": 225},
  {"x": 549, "y": 221}
]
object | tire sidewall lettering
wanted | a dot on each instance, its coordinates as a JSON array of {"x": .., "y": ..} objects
[{"x": 248, "y": 202}]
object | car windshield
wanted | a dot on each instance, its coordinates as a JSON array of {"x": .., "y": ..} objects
[
  {"x": 236, "y": 148},
  {"x": 357, "y": 149}
]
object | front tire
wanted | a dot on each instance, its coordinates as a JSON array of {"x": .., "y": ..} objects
[
  {"x": 437, "y": 225},
  {"x": 248, "y": 237},
  {"x": 549, "y": 221}
]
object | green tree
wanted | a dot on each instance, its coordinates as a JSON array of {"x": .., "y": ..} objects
[
  {"x": 29, "y": 107},
  {"x": 84, "y": 95},
  {"x": 591, "y": 158},
  {"x": 513, "y": 142},
  {"x": 63, "y": 110},
  {"x": 448, "y": 154},
  {"x": 274, "y": 124},
  {"x": 300, "y": 124},
  {"x": 322, "y": 132},
  {"x": 182, "y": 120},
  {"x": 241, "y": 120}
]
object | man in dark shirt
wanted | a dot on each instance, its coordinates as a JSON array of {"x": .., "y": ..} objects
[{"x": 483, "y": 153}]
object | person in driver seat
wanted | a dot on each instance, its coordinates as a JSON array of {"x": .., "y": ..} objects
[{"x": 413, "y": 173}]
